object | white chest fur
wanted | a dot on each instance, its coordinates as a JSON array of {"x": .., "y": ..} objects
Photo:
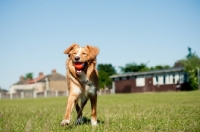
[
  {"x": 89, "y": 86},
  {"x": 90, "y": 89}
]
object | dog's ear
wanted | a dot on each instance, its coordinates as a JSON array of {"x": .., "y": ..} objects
[
  {"x": 94, "y": 51},
  {"x": 68, "y": 50}
]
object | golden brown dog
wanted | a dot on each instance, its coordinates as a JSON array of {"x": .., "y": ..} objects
[{"x": 82, "y": 79}]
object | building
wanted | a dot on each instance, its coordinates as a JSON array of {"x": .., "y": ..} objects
[
  {"x": 51, "y": 82},
  {"x": 3, "y": 91},
  {"x": 28, "y": 85},
  {"x": 55, "y": 82},
  {"x": 150, "y": 81}
]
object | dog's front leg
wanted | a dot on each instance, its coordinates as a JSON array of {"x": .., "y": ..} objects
[
  {"x": 93, "y": 100},
  {"x": 79, "y": 113},
  {"x": 70, "y": 104}
]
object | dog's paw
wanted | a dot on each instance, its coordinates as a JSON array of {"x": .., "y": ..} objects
[
  {"x": 94, "y": 122},
  {"x": 64, "y": 122},
  {"x": 79, "y": 121}
]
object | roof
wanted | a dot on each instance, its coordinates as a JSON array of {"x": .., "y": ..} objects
[
  {"x": 40, "y": 77},
  {"x": 21, "y": 81},
  {"x": 29, "y": 81},
  {"x": 3, "y": 90},
  {"x": 154, "y": 72},
  {"x": 54, "y": 76}
]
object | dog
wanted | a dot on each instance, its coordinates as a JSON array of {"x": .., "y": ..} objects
[{"x": 82, "y": 80}]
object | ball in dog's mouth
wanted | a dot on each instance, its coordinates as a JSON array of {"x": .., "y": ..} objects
[{"x": 79, "y": 66}]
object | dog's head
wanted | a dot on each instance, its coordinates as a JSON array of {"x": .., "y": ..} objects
[{"x": 81, "y": 56}]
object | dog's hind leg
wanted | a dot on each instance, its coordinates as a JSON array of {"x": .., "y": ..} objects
[
  {"x": 77, "y": 108},
  {"x": 93, "y": 100},
  {"x": 80, "y": 111}
]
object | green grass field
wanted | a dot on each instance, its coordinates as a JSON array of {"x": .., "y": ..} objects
[{"x": 169, "y": 111}]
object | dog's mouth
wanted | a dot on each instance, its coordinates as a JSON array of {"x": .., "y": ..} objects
[{"x": 79, "y": 66}]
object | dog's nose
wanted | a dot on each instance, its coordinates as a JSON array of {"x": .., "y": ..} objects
[{"x": 77, "y": 58}]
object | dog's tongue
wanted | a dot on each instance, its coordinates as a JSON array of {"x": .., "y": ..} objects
[{"x": 78, "y": 71}]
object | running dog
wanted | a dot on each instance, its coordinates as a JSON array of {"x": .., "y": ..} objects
[{"x": 82, "y": 80}]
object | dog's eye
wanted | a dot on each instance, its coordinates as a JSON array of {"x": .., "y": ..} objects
[{"x": 84, "y": 53}]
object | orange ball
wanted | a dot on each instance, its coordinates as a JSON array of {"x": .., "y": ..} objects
[{"x": 79, "y": 65}]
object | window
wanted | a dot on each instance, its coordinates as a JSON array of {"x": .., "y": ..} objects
[
  {"x": 160, "y": 80},
  {"x": 116, "y": 79},
  {"x": 140, "y": 81},
  {"x": 124, "y": 78},
  {"x": 181, "y": 78},
  {"x": 164, "y": 79},
  {"x": 155, "y": 80},
  {"x": 132, "y": 77},
  {"x": 176, "y": 78},
  {"x": 167, "y": 79},
  {"x": 171, "y": 79}
]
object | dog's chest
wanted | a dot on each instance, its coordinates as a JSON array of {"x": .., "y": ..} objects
[
  {"x": 90, "y": 89},
  {"x": 88, "y": 85}
]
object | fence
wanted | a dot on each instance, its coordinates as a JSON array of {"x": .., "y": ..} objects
[{"x": 32, "y": 94}]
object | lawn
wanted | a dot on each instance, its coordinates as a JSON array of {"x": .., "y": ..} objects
[{"x": 167, "y": 111}]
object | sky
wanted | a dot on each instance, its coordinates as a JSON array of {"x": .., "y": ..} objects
[{"x": 35, "y": 33}]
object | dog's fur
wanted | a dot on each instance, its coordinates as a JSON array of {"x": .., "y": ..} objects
[{"x": 82, "y": 84}]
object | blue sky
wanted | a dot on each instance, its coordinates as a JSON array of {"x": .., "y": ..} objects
[{"x": 34, "y": 34}]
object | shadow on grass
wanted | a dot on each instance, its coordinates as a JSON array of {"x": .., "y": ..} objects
[{"x": 85, "y": 121}]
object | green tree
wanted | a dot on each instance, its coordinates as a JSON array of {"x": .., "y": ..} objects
[
  {"x": 191, "y": 63},
  {"x": 28, "y": 75},
  {"x": 160, "y": 67},
  {"x": 133, "y": 67},
  {"x": 105, "y": 70}
]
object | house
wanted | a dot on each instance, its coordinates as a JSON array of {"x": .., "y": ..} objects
[
  {"x": 3, "y": 91},
  {"x": 150, "y": 81},
  {"x": 51, "y": 82},
  {"x": 28, "y": 85},
  {"x": 55, "y": 82}
]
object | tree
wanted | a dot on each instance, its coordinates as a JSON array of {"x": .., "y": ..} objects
[
  {"x": 133, "y": 67},
  {"x": 105, "y": 70},
  {"x": 28, "y": 75},
  {"x": 178, "y": 64},
  {"x": 160, "y": 67},
  {"x": 191, "y": 63}
]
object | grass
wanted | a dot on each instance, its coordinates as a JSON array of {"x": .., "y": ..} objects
[{"x": 169, "y": 111}]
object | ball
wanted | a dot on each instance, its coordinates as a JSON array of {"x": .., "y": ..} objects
[{"x": 79, "y": 65}]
